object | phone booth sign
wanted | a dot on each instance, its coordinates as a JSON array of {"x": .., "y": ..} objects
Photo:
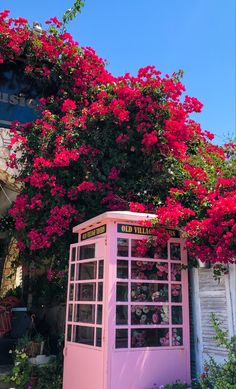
[{"x": 127, "y": 320}]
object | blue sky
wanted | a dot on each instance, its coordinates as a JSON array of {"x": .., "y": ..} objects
[{"x": 197, "y": 36}]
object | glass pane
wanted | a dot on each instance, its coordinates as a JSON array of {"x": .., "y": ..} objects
[
  {"x": 122, "y": 247},
  {"x": 177, "y": 317},
  {"x": 134, "y": 248},
  {"x": 137, "y": 252},
  {"x": 121, "y": 314},
  {"x": 176, "y": 293},
  {"x": 85, "y": 313},
  {"x": 177, "y": 337},
  {"x": 99, "y": 314},
  {"x": 121, "y": 338},
  {"x": 86, "y": 292},
  {"x": 69, "y": 332},
  {"x": 100, "y": 269},
  {"x": 72, "y": 272},
  {"x": 150, "y": 337},
  {"x": 71, "y": 292},
  {"x": 162, "y": 270},
  {"x": 84, "y": 335},
  {"x": 100, "y": 291},
  {"x": 122, "y": 291},
  {"x": 161, "y": 252},
  {"x": 148, "y": 314},
  {"x": 157, "y": 252},
  {"x": 87, "y": 251},
  {"x": 122, "y": 269},
  {"x": 99, "y": 337},
  {"x": 175, "y": 272},
  {"x": 165, "y": 338},
  {"x": 141, "y": 270},
  {"x": 70, "y": 312},
  {"x": 87, "y": 271},
  {"x": 73, "y": 254},
  {"x": 175, "y": 253},
  {"x": 149, "y": 292}
]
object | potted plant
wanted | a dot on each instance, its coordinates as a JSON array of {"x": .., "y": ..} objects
[{"x": 35, "y": 346}]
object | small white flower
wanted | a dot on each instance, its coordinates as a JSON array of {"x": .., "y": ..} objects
[{"x": 143, "y": 318}]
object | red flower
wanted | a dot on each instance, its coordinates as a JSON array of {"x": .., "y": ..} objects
[
  {"x": 86, "y": 186},
  {"x": 113, "y": 174},
  {"x": 149, "y": 139},
  {"x": 68, "y": 105},
  {"x": 191, "y": 104},
  {"x": 55, "y": 21},
  {"x": 137, "y": 207}
]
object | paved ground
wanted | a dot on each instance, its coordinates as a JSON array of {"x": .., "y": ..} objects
[{"x": 4, "y": 369}]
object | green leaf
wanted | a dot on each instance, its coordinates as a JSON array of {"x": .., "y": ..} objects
[{"x": 71, "y": 13}]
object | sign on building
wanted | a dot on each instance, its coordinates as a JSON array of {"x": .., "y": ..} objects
[{"x": 19, "y": 94}]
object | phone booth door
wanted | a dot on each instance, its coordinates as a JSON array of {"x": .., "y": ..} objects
[
  {"x": 152, "y": 316},
  {"x": 83, "y": 353}
]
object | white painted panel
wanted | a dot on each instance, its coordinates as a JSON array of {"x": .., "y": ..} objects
[{"x": 212, "y": 299}]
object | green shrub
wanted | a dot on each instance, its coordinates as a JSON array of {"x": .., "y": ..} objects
[
  {"x": 25, "y": 375},
  {"x": 21, "y": 372},
  {"x": 51, "y": 373},
  {"x": 179, "y": 385},
  {"x": 221, "y": 376}
]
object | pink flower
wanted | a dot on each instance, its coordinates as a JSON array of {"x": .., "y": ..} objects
[
  {"x": 113, "y": 174},
  {"x": 191, "y": 104},
  {"x": 55, "y": 21},
  {"x": 122, "y": 138},
  {"x": 86, "y": 186},
  {"x": 68, "y": 105},
  {"x": 155, "y": 318},
  {"x": 50, "y": 275},
  {"x": 20, "y": 245},
  {"x": 150, "y": 139},
  {"x": 137, "y": 207}
]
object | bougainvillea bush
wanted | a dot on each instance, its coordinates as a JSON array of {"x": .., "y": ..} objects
[{"x": 111, "y": 143}]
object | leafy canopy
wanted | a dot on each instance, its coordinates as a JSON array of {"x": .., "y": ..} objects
[{"x": 108, "y": 143}]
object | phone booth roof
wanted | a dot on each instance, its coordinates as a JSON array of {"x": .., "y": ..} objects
[{"x": 114, "y": 215}]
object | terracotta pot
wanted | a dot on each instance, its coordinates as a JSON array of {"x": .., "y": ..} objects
[{"x": 33, "y": 349}]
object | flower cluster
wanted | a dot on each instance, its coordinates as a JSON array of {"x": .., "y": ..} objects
[
  {"x": 149, "y": 315},
  {"x": 149, "y": 271}
]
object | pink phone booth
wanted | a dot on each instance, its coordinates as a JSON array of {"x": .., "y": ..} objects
[{"x": 127, "y": 323}]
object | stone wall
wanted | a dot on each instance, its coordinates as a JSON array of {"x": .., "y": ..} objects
[
  {"x": 11, "y": 277},
  {"x": 9, "y": 189}
]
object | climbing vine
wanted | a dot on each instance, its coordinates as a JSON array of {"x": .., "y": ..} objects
[{"x": 107, "y": 143}]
